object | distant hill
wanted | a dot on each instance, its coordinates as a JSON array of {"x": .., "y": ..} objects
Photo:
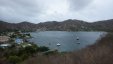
[
  {"x": 105, "y": 25},
  {"x": 67, "y": 25},
  {"x": 24, "y": 26},
  {"x": 77, "y": 25}
]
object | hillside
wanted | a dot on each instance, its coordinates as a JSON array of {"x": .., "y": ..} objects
[
  {"x": 78, "y": 25},
  {"x": 67, "y": 25},
  {"x": 24, "y": 26}
]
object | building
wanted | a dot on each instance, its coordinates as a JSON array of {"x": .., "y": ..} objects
[
  {"x": 5, "y": 45},
  {"x": 4, "y": 39},
  {"x": 18, "y": 40}
]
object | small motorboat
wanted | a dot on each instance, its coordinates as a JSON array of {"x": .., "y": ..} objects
[
  {"x": 77, "y": 38},
  {"x": 58, "y": 44}
]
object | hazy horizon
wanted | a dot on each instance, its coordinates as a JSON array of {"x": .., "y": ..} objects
[{"x": 36, "y": 11}]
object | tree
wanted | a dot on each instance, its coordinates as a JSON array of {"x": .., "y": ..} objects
[
  {"x": 14, "y": 59},
  {"x": 43, "y": 49}
]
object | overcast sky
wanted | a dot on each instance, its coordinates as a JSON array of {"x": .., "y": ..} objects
[{"x": 55, "y": 10}]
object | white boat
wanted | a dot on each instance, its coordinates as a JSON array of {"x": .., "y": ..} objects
[
  {"x": 77, "y": 38},
  {"x": 58, "y": 44}
]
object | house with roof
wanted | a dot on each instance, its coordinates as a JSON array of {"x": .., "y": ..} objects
[
  {"x": 18, "y": 40},
  {"x": 4, "y": 39}
]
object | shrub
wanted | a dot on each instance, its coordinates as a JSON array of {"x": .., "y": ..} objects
[
  {"x": 30, "y": 49},
  {"x": 14, "y": 59},
  {"x": 51, "y": 52},
  {"x": 43, "y": 49}
]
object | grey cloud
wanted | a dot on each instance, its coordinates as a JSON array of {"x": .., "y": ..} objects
[
  {"x": 79, "y": 4},
  {"x": 18, "y": 10},
  {"x": 46, "y": 10}
]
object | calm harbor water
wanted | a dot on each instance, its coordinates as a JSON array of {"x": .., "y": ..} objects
[{"x": 67, "y": 40}]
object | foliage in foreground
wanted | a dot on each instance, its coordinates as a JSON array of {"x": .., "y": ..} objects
[{"x": 16, "y": 54}]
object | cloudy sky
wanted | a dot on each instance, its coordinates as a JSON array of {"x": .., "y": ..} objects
[{"x": 48, "y": 10}]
